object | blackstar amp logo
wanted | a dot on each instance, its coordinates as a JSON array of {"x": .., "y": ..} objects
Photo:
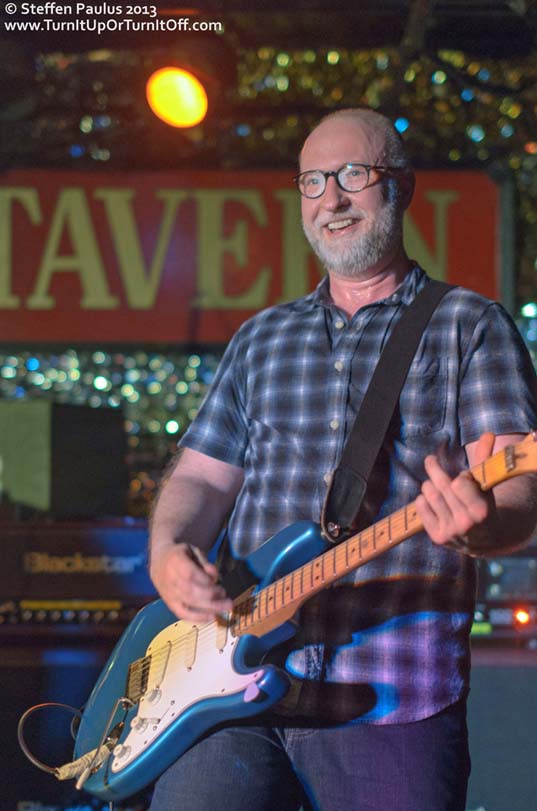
[{"x": 44, "y": 563}]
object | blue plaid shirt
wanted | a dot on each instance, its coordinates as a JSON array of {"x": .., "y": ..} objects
[{"x": 390, "y": 643}]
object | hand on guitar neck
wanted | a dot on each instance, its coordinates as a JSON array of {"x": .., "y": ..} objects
[{"x": 459, "y": 514}]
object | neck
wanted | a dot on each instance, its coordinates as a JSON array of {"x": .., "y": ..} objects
[{"x": 351, "y": 293}]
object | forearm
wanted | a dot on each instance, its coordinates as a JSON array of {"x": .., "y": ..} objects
[
  {"x": 187, "y": 511},
  {"x": 193, "y": 503},
  {"x": 513, "y": 517}
]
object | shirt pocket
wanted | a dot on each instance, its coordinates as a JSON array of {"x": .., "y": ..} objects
[{"x": 422, "y": 403}]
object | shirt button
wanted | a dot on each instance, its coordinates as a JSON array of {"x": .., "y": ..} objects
[
  {"x": 338, "y": 365},
  {"x": 334, "y": 425},
  {"x": 327, "y": 478},
  {"x": 339, "y": 324}
]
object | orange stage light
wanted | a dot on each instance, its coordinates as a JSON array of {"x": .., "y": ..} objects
[
  {"x": 177, "y": 97},
  {"x": 522, "y": 616}
]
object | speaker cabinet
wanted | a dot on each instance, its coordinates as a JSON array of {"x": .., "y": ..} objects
[
  {"x": 502, "y": 720},
  {"x": 65, "y": 460}
]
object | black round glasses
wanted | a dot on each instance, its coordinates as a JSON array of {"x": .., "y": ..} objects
[{"x": 349, "y": 177}]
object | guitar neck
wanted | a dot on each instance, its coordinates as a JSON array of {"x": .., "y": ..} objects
[{"x": 267, "y": 608}]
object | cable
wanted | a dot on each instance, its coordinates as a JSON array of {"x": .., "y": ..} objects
[{"x": 20, "y": 732}]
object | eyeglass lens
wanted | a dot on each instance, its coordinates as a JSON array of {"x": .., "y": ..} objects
[{"x": 351, "y": 177}]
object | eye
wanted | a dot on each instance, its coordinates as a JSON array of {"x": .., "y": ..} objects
[
  {"x": 311, "y": 180},
  {"x": 353, "y": 171}
]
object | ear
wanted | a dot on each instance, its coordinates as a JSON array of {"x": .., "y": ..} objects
[{"x": 407, "y": 184}]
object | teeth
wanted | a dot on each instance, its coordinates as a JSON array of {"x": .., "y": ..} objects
[{"x": 335, "y": 226}]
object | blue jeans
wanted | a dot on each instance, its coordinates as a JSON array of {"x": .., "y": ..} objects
[{"x": 422, "y": 766}]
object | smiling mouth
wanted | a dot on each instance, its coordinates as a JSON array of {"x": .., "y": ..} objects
[{"x": 341, "y": 225}]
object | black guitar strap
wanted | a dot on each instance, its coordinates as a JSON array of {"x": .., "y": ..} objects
[{"x": 349, "y": 480}]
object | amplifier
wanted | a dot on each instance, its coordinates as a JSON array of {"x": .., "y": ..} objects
[
  {"x": 506, "y": 605},
  {"x": 74, "y": 575}
]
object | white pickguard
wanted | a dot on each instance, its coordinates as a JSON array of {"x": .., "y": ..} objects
[{"x": 188, "y": 663}]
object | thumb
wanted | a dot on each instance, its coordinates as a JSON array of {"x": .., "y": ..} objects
[{"x": 484, "y": 447}]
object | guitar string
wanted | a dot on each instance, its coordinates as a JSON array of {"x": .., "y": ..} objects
[{"x": 399, "y": 522}]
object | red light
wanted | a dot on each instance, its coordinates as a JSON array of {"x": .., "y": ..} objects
[{"x": 522, "y": 616}]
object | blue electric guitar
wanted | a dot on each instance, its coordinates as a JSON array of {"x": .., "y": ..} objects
[{"x": 168, "y": 681}]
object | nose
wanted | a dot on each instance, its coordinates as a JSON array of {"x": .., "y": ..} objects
[{"x": 334, "y": 197}]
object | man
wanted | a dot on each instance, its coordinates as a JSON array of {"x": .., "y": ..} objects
[{"x": 382, "y": 659}]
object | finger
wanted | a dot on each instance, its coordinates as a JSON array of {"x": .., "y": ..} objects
[
  {"x": 484, "y": 447},
  {"x": 427, "y": 515},
  {"x": 199, "y": 558},
  {"x": 436, "y": 472},
  {"x": 450, "y": 497},
  {"x": 204, "y": 613},
  {"x": 436, "y": 502},
  {"x": 475, "y": 502},
  {"x": 192, "y": 571},
  {"x": 204, "y": 597}
]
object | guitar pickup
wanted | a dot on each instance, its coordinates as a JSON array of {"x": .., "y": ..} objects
[{"x": 137, "y": 678}]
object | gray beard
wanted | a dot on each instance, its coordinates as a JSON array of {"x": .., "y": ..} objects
[{"x": 354, "y": 257}]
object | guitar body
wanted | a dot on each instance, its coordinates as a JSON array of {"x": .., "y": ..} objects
[{"x": 185, "y": 678}]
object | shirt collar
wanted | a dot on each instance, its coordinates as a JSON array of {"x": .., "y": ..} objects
[{"x": 405, "y": 293}]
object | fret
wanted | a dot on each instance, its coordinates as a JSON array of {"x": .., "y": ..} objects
[
  {"x": 267, "y": 592},
  {"x": 382, "y": 531},
  {"x": 239, "y": 622},
  {"x": 279, "y": 598},
  {"x": 297, "y": 583},
  {"x": 288, "y": 589},
  {"x": 278, "y": 592},
  {"x": 483, "y": 473},
  {"x": 406, "y": 518},
  {"x": 389, "y": 529},
  {"x": 306, "y": 580},
  {"x": 270, "y": 601},
  {"x": 334, "y": 559},
  {"x": 363, "y": 544},
  {"x": 374, "y": 537}
]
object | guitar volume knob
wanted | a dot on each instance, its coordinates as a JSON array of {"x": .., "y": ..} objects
[
  {"x": 153, "y": 696},
  {"x": 121, "y": 752},
  {"x": 139, "y": 724}
]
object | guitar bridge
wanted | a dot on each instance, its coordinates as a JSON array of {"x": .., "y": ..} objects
[{"x": 137, "y": 678}]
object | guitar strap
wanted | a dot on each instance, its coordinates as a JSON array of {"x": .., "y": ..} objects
[{"x": 349, "y": 480}]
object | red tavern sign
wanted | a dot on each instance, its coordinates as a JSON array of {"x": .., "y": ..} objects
[{"x": 188, "y": 256}]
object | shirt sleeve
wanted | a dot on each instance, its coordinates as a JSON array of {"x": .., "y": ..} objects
[
  {"x": 220, "y": 426},
  {"x": 498, "y": 388}
]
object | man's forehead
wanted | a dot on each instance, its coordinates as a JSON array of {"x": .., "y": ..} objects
[{"x": 347, "y": 138}]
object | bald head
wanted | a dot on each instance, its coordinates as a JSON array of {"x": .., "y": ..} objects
[{"x": 385, "y": 141}]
